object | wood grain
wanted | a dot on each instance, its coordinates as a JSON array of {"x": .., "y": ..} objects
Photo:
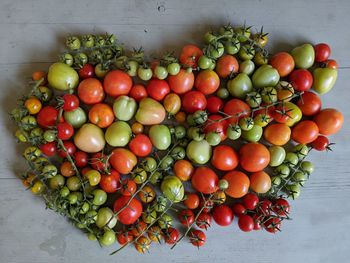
[{"x": 31, "y": 35}]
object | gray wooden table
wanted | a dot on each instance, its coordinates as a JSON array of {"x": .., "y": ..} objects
[{"x": 31, "y": 35}]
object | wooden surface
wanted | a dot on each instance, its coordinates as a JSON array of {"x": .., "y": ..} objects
[{"x": 31, "y": 36}]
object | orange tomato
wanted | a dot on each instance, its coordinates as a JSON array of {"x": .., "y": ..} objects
[
  {"x": 142, "y": 244},
  {"x": 224, "y": 158},
  {"x": 38, "y": 75},
  {"x": 172, "y": 103},
  {"x": 90, "y": 91},
  {"x": 137, "y": 128},
  {"x": 192, "y": 201},
  {"x": 147, "y": 194},
  {"x": 207, "y": 81},
  {"x": 180, "y": 117},
  {"x": 329, "y": 121},
  {"x": 238, "y": 184},
  {"x": 260, "y": 182},
  {"x": 283, "y": 62},
  {"x": 189, "y": 55},
  {"x": 181, "y": 82},
  {"x": 277, "y": 134},
  {"x": 305, "y": 132},
  {"x": 128, "y": 187},
  {"x": 226, "y": 65},
  {"x": 254, "y": 157},
  {"x": 33, "y": 105},
  {"x": 101, "y": 114},
  {"x": 123, "y": 160},
  {"x": 183, "y": 169},
  {"x": 67, "y": 169},
  {"x": 205, "y": 180}
]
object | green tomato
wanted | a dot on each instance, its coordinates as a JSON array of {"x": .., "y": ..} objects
[
  {"x": 240, "y": 86},
  {"x": 118, "y": 134},
  {"x": 172, "y": 188},
  {"x": 269, "y": 95},
  {"x": 149, "y": 164},
  {"x": 160, "y": 72},
  {"x": 75, "y": 117},
  {"x": 324, "y": 79},
  {"x": 209, "y": 37},
  {"x": 253, "y": 99},
  {"x": 253, "y": 135},
  {"x": 124, "y": 108},
  {"x": 100, "y": 197},
  {"x": 105, "y": 216},
  {"x": 223, "y": 93},
  {"x": 64, "y": 192},
  {"x": 180, "y": 132},
  {"x": 291, "y": 159},
  {"x": 304, "y": 56},
  {"x": 300, "y": 178},
  {"x": 301, "y": 150},
  {"x": 40, "y": 162},
  {"x": 72, "y": 198},
  {"x": 277, "y": 155},
  {"x": 49, "y": 171},
  {"x": 88, "y": 41},
  {"x": 247, "y": 67},
  {"x": 56, "y": 182},
  {"x": 150, "y": 112},
  {"x": 67, "y": 58},
  {"x": 100, "y": 41},
  {"x": 91, "y": 216},
  {"x": 160, "y": 136},
  {"x": 204, "y": 62},
  {"x": 73, "y": 183},
  {"x": 91, "y": 237},
  {"x": 265, "y": 76},
  {"x": 28, "y": 123},
  {"x": 149, "y": 216},
  {"x": 165, "y": 221},
  {"x": 232, "y": 46},
  {"x": 243, "y": 33},
  {"x": 144, "y": 73},
  {"x": 276, "y": 180},
  {"x": 307, "y": 167},
  {"x": 108, "y": 238},
  {"x": 246, "y": 123},
  {"x": 293, "y": 190},
  {"x": 132, "y": 67},
  {"x": 139, "y": 175},
  {"x": 195, "y": 133},
  {"x": 166, "y": 163},
  {"x": 234, "y": 132},
  {"x": 21, "y": 135},
  {"x": 213, "y": 138},
  {"x": 178, "y": 153},
  {"x": 282, "y": 170},
  {"x": 155, "y": 177},
  {"x": 62, "y": 77},
  {"x": 80, "y": 59},
  {"x": 199, "y": 152},
  {"x": 246, "y": 52},
  {"x": 216, "y": 50},
  {"x": 173, "y": 68},
  {"x": 73, "y": 43},
  {"x": 160, "y": 204}
]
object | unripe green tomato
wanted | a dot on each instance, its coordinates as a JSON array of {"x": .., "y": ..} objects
[
  {"x": 165, "y": 221},
  {"x": 269, "y": 95},
  {"x": 105, "y": 217},
  {"x": 300, "y": 178},
  {"x": 282, "y": 170},
  {"x": 291, "y": 159},
  {"x": 91, "y": 237},
  {"x": 200, "y": 117},
  {"x": 213, "y": 138},
  {"x": 232, "y": 46},
  {"x": 173, "y": 68},
  {"x": 253, "y": 99},
  {"x": 276, "y": 180},
  {"x": 75, "y": 117},
  {"x": 100, "y": 197},
  {"x": 180, "y": 132},
  {"x": 204, "y": 62},
  {"x": 246, "y": 52},
  {"x": 247, "y": 67},
  {"x": 149, "y": 164},
  {"x": 49, "y": 171},
  {"x": 161, "y": 72},
  {"x": 223, "y": 93},
  {"x": 88, "y": 41},
  {"x": 149, "y": 216},
  {"x": 199, "y": 152},
  {"x": 73, "y": 183},
  {"x": 307, "y": 167},
  {"x": 124, "y": 108},
  {"x": 234, "y": 132},
  {"x": 80, "y": 59},
  {"x": 166, "y": 163},
  {"x": 91, "y": 216},
  {"x": 132, "y": 67},
  {"x": 161, "y": 204},
  {"x": 64, "y": 192},
  {"x": 277, "y": 155},
  {"x": 253, "y": 135},
  {"x": 49, "y": 135},
  {"x": 216, "y": 50},
  {"x": 72, "y": 198},
  {"x": 246, "y": 123},
  {"x": 21, "y": 136},
  {"x": 118, "y": 134},
  {"x": 195, "y": 133},
  {"x": 56, "y": 182},
  {"x": 73, "y": 43},
  {"x": 108, "y": 238},
  {"x": 160, "y": 136},
  {"x": 178, "y": 153},
  {"x": 301, "y": 150},
  {"x": 144, "y": 74},
  {"x": 172, "y": 188},
  {"x": 84, "y": 208},
  {"x": 155, "y": 177},
  {"x": 139, "y": 175},
  {"x": 294, "y": 190},
  {"x": 67, "y": 58}
]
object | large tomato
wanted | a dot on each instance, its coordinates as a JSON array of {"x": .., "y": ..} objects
[
  {"x": 254, "y": 157},
  {"x": 238, "y": 184},
  {"x": 101, "y": 114},
  {"x": 90, "y": 91},
  {"x": 237, "y": 109},
  {"x": 277, "y": 134},
  {"x": 214, "y": 125},
  {"x": 207, "y": 81},
  {"x": 110, "y": 182},
  {"x": 329, "y": 121},
  {"x": 205, "y": 180},
  {"x": 260, "y": 182},
  {"x": 305, "y": 132},
  {"x": 157, "y": 89},
  {"x": 226, "y": 66},
  {"x": 189, "y": 55},
  {"x": 117, "y": 83},
  {"x": 141, "y": 145},
  {"x": 224, "y": 158},
  {"x": 129, "y": 214},
  {"x": 181, "y": 82},
  {"x": 283, "y": 62},
  {"x": 193, "y": 101},
  {"x": 122, "y": 160},
  {"x": 309, "y": 103}
]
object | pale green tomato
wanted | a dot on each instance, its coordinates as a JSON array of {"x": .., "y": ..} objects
[
  {"x": 150, "y": 112},
  {"x": 240, "y": 86},
  {"x": 172, "y": 188},
  {"x": 282, "y": 170},
  {"x": 293, "y": 190},
  {"x": 213, "y": 138},
  {"x": 247, "y": 67},
  {"x": 265, "y": 76},
  {"x": 100, "y": 197},
  {"x": 105, "y": 216},
  {"x": 90, "y": 138},
  {"x": 62, "y": 77},
  {"x": 253, "y": 135},
  {"x": 160, "y": 136},
  {"x": 57, "y": 182},
  {"x": 307, "y": 167},
  {"x": 300, "y": 178},
  {"x": 160, "y": 72},
  {"x": 324, "y": 79},
  {"x": 118, "y": 134},
  {"x": 304, "y": 56},
  {"x": 277, "y": 155},
  {"x": 291, "y": 159},
  {"x": 199, "y": 152},
  {"x": 165, "y": 221},
  {"x": 234, "y": 132},
  {"x": 124, "y": 108},
  {"x": 132, "y": 68},
  {"x": 75, "y": 117},
  {"x": 108, "y": 238}
]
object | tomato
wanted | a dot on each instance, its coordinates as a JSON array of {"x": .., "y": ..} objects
[
  {"x": 49, "y": 149},
  {"x": 224, "y": 158},
  {"x": 246, "y": 223},
  {"x": 304, "y": 56},
  {"x": 283, "y": 62},
  {"x": 47, "y": 117},
  {"x": 147, "y": 194},
  {"x": 301, "y": 79},
  {"x": 321, "y": 143},
  {"x": 277, "y": 155},
  {"x": 38, "y": 75},
  {"x": 70, "y": 102},
  {"x": 198, "y": 152},
  {"x": 70, "y": 148},
  {"x": 138, "y": 228},
  {"x": 117, "y": 83},
  {"x": 281, "y": 207},
  {"x": 157, "y": 89},
  {"x": 64, "y": 131},
  {"x": 219, "y": 127},
  {"x": 238, "y": 209},
  {"x": 137, "y": 128},
  {"x": 254, "y": 157},
  {"x": 294, "y": 113},
  {"x": 197, "y": 238},
  {"x": 181, "y": 82},
  {"x": 127, "y": 215},
  {"x": 89, "y": 138},
  {"x": 62, "y": 76},
  {"x": 172, "y": 188},
  {"x": 189, "y": 55},
  {"x": 160, "y": 136},
  {"x": 118, "y": 134},
  {"x": 205, "y": 180},
  {"x": 223, "y": 215},
  {"x": 191, "y": 201},
  {"x": 155, "y": 234},
  {"x": 110, "y": 182},
  {"x": 81, "y": 158},
  {"x": 322, "y": 52},
  {"x": 122, "y": 160},
  {"x": 305, "y": 132},
  {"x": 183, "y": 169},
  {"x": 87, "y": 71},
  {"x": 250, "y": 201},
  {"x": 203, "y": 220},
  {"x": 226, "y": 66},
  {"x": 186, "y": 217},
  {"x": 260, "y": 182},
  {"x": 99, "y": 161},
  {"x": 265, "y": 76},
  {"x": 240, "y": 86},
  {"x": 142, "y": 244},
  {"x": 309, "y": 103},
  {"x": 125, "y": 237},
  {"x": 67, "y": 169},
  {"x": 150, "y": 112},
  {"x": 324, "y": 79},
  {"x": 138, "y": 92},
  {"x": 101, "y": 114},
  {"x": 128, "y": 187},
  {"x": 141, "y": 145},
  {"x": 90, "y": 91},
  {"x": 172, "y": 103},
  {"x": 277, "y": 134},
  {"x": 33, "y": 105},
  {"x": 171, "y": 235},
  {"x": 331, "y": 63},
  {"x": 214, "y": 104},
  {"x": 237, "y": 109},
  {"x": 207, "y": 81},
  {"x": 273, "y": 225},
  {"x": 329, "y": 121},
  {"x": 76, "y": 117},
  {"x": 193, "y": 101},
  {"x": 238, "y": 184}
]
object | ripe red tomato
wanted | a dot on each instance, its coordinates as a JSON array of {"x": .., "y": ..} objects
[
  {"x": 203, "y": 220},
  {"x": 220, "y": 127},
  {"x": 64, "y": 131},
  {"x": 214, "y": 104},
  {"x": 193, "y": 101},
  {"x": 281, "y": 207},
  {"x": 208, "y": 204},
  {"x": 238, "y": 209},
  {"x": 197, "y": 238},
  {"x": 226, "y": 66},
  {"x": 305, "y": 132},
  {"x": 71, "y": 102},
  {"x": 321, "y": 143},
  {"x": 283, "y": 62},
  {"x": 87, "y": 71},
  {"x": 273, "y": 225},
  {"x": 238, "y": 184},
  {"x": 141, "y": 145},
  {"x": 49, "y": 149},
  {"x": 280, "y": 113},
  {"x": 309, "y": 103},
  {"x": 122, "y": 160},
  {"x": 246, "y": 223},
  {"x": 331, "y": 63},
  {"x": 329, "y": 121},
  {"x": 110, "y": 182},
  {"x": 223, "y": 215},
  {"x": 125, "y": 237},
  {"x": 207, "y": 81},
  {"x": 128, "y": 187},
  {"x": 70, "y": 147},
  {"x": 301, "y": 79},
  {"x": 117, "y": 83},
  {"x": 138, "y": 92},
  {"x": 224, "y": 158},
  {"x": 192, "y": 201},
  {"x": 157, "y": 89},
  {"x": 171, "y": 235},
  {"x": 90, "y": 91},
  {"x": 237, "y": 109},
  {"x": 99, "y": 161},
  {"x": 250, "y": 201},
  {"x": 181, "y": 82},
  {"x": 189, "y": 55},
  {"x": 205, "y": 180},
  {"x": 101, "y": 114},
  {"x": 129, "y": 214},
  {"x": 81, "y": 159},
  {"x": 265, "y": 207},
  {"x": 47, "y": 117},
  {"x": 322, "y": 52},
  {"x": 254, "y": 157},
  {"x": 186, "y": 217}
]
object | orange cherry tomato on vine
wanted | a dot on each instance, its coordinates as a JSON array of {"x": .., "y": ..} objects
[
  {"x": 207, "y": 81},
  {"x": 329, "y": 121},
  {"x": 33, "y": 105},
  {"x": 205, "y": 180},
  {"x": 102, "y": 115},
  {"x": 183, "y": 169},
  {"x": 310, "y": 103},
  {"x": 254, "y": 157},
  {"x": 90, "y": 91},
  {"x": 125, "y": 237},
  {"x": 305, "y": 132},
  {"x": 193, "y": 101},
  {"x": 157, "y": 89},
  {"x": 260, "y": 182},
  {"x": 283, "y": 62},
  {"x": 189, "y": 55},
  {"x": 38, "y": 75},
  {"x": 123, "y": 160},
  {"x": 141, "y": 145},
  {"x": 138, "y": 92},
  {"x": 181, "y": 82},
  {"x": 117, "y": 83},
  {"x": 224, "y": 158},
  {"x": 238, "y": 184},
  {"x": 192, "y": 201},
  {"x": 110, "y": 182},
  {"x": 226, "y": 66},
  {"x": 137, "y": 128},
  {"x": 277, "y": 134},
  {"x": 236, "y": 107}
]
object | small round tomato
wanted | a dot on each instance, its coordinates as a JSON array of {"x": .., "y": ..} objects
[
  {"x": 70, "y": 149},
  {"x": 157, "y": 89},
  {"x": 310, "y": 103},
  {"x": 101, "y": 114},
  {"x": 203, "y": 220},
  {"x": 49, "y": 149},
  {"x": 70, "y": 102},
  {"x": 186, "y": 217},
  {"x": 214, "y": 104},
  {"x": 138, "y": 92},
  {"x": 250, "y": 201},
  {"x": 141, "y": 145},
  {"x": 226, "y": 66},
  {"x": 38, "y": 75},
  {"x": 193, "y": 101},
  {"x": 128, "y": 187},
  {"x": 216, "y": 124},
  {"x": 33, "y": 105},
  {"x": 87, "y": 71},
  {"x": 224, "y": 158},
  {"x": 110, "y": 182},
  {"x": 237, "y": 109},
  {"x": 238, "y": 209},
  {"x": 189, "y": 55},
  {"x": 117, "y": 83},
  {"x": 205, "y": 180},
  {"x": 305, "y": 132},
  {"x": 129, "y": 214},
  {"x": 181, "y": 82},
  {"x": 171, "y": 235},
  {"x": 67, "y": 169},
  {"x": 183, "y": 169},
  {"x": 90, "y": 91},
  {"x": 281, "y": 207},
  {"x": 137, "y": 128},
  {"x": 223, "y": 215},
  {"x": 254, "y": 157},
  {"x": 197, "y": 238},
  {"x": 283, "y": 62},
  {"x": 81, "y": 158},
  {"x": 99, "y": 161},
  {"x": 142, "y": 244},
  {"x": 125, "y": 237},
  {"x": 47, "y": 117},
  {"x": 207, "y": 81},
  {"x": 273, "y": 225},
  {"x": 191, "y": 201},
  {"x": 301, "y": 79},
  {"x": 172, "y": 103},
  {"x": 331, "y": 63},
  {"x": 277, "y": 134},
  {"x": 321, "y": 143},
  {"x": 322, "y": 52},
  {"x": 329, "y": 121},
  {"x": 260, "y": 182},
  {"x": 64, "y": 131},
  {"x": 246, "y": 223},
  {"x": 238, "y": 184},
  {"x": 122, "y": 160}
]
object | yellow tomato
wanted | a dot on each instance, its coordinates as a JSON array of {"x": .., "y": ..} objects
[{"x": 33, "y": 105}]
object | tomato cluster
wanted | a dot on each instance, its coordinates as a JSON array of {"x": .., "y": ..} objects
[{"x": 106, "y": 128}]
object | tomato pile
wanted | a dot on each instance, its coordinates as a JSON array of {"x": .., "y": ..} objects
[{"x": 122, "y": 146}]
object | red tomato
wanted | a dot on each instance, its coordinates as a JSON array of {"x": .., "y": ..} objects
[
  {"x": 192, "y": 201},
  {"x": 47, "y": 117},
  {"x": 223, "y": 215},
  {"x": 331, "y": 63},
  {"x": 207, "y": 81},
  {"x": 81, "y": 158},
  {"x": 157, "y": 89},
  {"x": 281, "y": 207},
  {"x": 186, "y": 217},
  {"x": 64, "y": 131},
  {"x": 117, "y": 83},
  {"x": 220, "y": 127},
  {"x": 283, "y": 62},
  {"x": 329, "y": 121},
  {"x": 138, "y": 92},
  {"x": 71, "y": 102},
  {"x": 171, "y": 235},
  {"x": 214, "y": 104},
  {"x": 122, "y": 160},
  {"x": 129, "y": 214},
  {"x": 141, "y": 145},
  {"x": 309, "y": 103},
  {"x": 238, "y": 209},
  {"x": 189, "y": 55},
  {"x": 301, "y": 79},
  {"x": 70, "y": 147},
  {"x": 226, "y": 66},
  {"x": 224, "y": 158},
  {"x": 246, "y": 223},
  {"x": 125, "y": 237},
  {"x": 238, "y": 184},
  {"x": 305, "y": 132},
  {"x": 101, "y": 114},
  {"x": 182, "y": 82},
  {"x": 254, "y": 157},
  {"x": 49, "y": 149},
  {"x": 128, "y": 187},
  {"x": 87, "y": 71},
  {"x": 237, "y": 109},
  {"x": 322, "y": 52},
  {"x": 99, "y": 161},
  {"x": 205, "y": 180},
  {"x": 321, "y": 143},
  {"x": 280, "y": 113},
  {"x": 193, "y": 101},
  {"x": 90, "y": 91},
  {"x": 273, "y": 225},
  {"x": 197, "y": 238},
  {"x": 203, "y": 220},
  {"x": 250, "y": 201},
  {"x": 110, "y": 182}
]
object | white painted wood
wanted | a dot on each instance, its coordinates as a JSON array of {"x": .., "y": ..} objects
[{"x": 31, "y": 37}]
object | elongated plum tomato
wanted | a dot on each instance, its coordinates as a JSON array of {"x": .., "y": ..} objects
[
  {"x": 181, "y": 82},
  {"x": 193, "y": 101},
  {"x": 226, "y": 65},
  {"x": 90, "y": 91},
  {"x": 237, "y": 109},
  {"x": 254, "y": 157},
  {"x": 117, "y": 83},
  {"x": 205, "y": 180},
  {"x": 127, "y": 215},
  {"x": 207, "y": 81},
  {"x": 305, "y": 132},
  {"x": 329, "y": 121},
  {"x": 309, "y": 103},
  {"x": 122, "y": 160},
  {"x": 90, "y": 138},
  {"x": 224, "y": 158},
  {"x": 283, "y": 62},
  {"x": 238, "y": 184},
  {"x": 150, "y": 112}
]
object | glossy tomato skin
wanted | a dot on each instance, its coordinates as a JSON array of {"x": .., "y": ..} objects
[
  {"x": 171, "y": 235},
  {"x": 301, "y": 79},
  {"x": 157, "y": 89},
  {"x": 47, "y": 117},
  {"x": 130, "y": 214},
  {"x": 214, "y": 104},
  {"x": 117, "y": 83},
  {"x": 90, "y": 91},
  {"x": 49, "y": 149},
  {"x": 223, "y": 215},
  {"x": 181, "y": 82},
  {"x": 238, "y": 209},
  {"x": 207, "y": 81},
  {"x": 310, "y": 103},
  {"x": 238, "y": 184},
  {"x": 254, "y": 157},
  {"x": 283, "y": 62},
  {"x": 99, "y": 161},
  {"x": 87, "y": 71},
  {"x": 204, "y": 220},
  {"x": 102, "y": 115},
  {"x": 81, "y": 158},
  {"x": 110, "y": 183},
  {"x": 277, "y": 134},
  {"x": 224, "y": 158},
  {"x": 183, "y": 169},
  {"x": 305, "y": 132},
  {"x": 260, "y": 182},
  {"x": 226, "y": 66},
  {"x": 234, "y": 107},
  {"x": 205, "y": 180},
  {"x": 329, "y": 121},
  {"x": 123, "y": 160},
  {"x": 189, "y": 55},
  {"x": 322, "y": 52},
  {"x": 250, "y": 201},
  {"x": 64, "y": 131},
  {"x": 197, "y": 238},
  {"x": 192, "y": 201},
  {"x": 246, "y": 223},
  {"x": 141, "y": 145},
  {"x": 193, "y": 101},
  {"x": 138, "y": 92},
  {"x": 70, "y": 147},
  {"x": 321, "y": 143},
  {"x": 220, "y": 127},
  {"x": 71, "y": 102}
]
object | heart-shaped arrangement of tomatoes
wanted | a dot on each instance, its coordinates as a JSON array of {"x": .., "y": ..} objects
[{"x": 123, "y": 146}]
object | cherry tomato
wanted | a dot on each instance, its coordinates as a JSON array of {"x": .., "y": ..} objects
[
  {"x": 257, "y": 221},
  {"x": 254, "y": 157},
  {"x": 193, "y": 101},
  {"x": 283, "y": 62},
  {"x": 47, "y": 117},
  {"x": 90, "y": 91},
  {"x": 310, "y": 103},
  {"x": 49, "y": 149},
  {"x": 331, "y": 63},
  {"x": 281, "y": 207},
  {"x": 235, "y": 107},
  {"x": 38, "y": 75},
  {"x": 322, "y": 52},
  {"x": 122, "y": 160},
  {"x": 181, "y": 82},
  {"x": 238, "y": 184},
  {"x": 238, "y": 209},
  {"x": 301, "y": 79},
  {"x": 186, "y": 217},
  {"x": 214, "y": 104},
  {"x": 138, "y": 228},
  {"x": 246, "y": 223},
  {"x": 321, "y": 143},
  {"x": 260, "y": 182},
  {"x": 71, "y": 102},
  {"x": 329, "y": 121},
  {"x": 137, "y": 128},
  {"x": 125, "y": 237},
  {"x": 110, "y": 182},
  {"x": 157, "y": 89},
  {"x": 142, "y": 244},
  {"x": 207, "y": 204},
  {"x": 81, "y": 158},
  {"x": 205, "y": 180},
  {"x": 33, "y": 105},
  {"x": 203, "y": 220},
  {"x": 70, "y": 148},
  {"x": 250, "y": 201},
  {"x": 273, "y": 225},
  {"x": 305, "y": 132},
  {"x": 67, "y": 169},
  {"x": 171, "y": 235},
  {"x": 117, "y": 83},
  {"x": 277, "y": 134},
  {"x": 219, "y": 127},
  {"x": 180, "y": 117},
  {"x": 197, "y": 238},
  {"x": 183, "y": 169},
  {"x": 128, "y": 187},
  {"x": 64, "y": 131},
  {"x": 102, "y": 115},
  {"x": 138, "y": 92},
  {"x": 223, "y": 215},
  {"x": 226, "y": 66},
  {"x": 129, "y": 214},
  {"x": 147, "y": 194},
  {"x": 141, "y": 145},
  {"x": 224, "y": 158},
  {"x": 87, "y": 71},
  {"x": 99, "y": 161},
  {"x": 192, "y": 201},
  {"x": 189, "y": 55},
  {"x": 207, "y": 81}
]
